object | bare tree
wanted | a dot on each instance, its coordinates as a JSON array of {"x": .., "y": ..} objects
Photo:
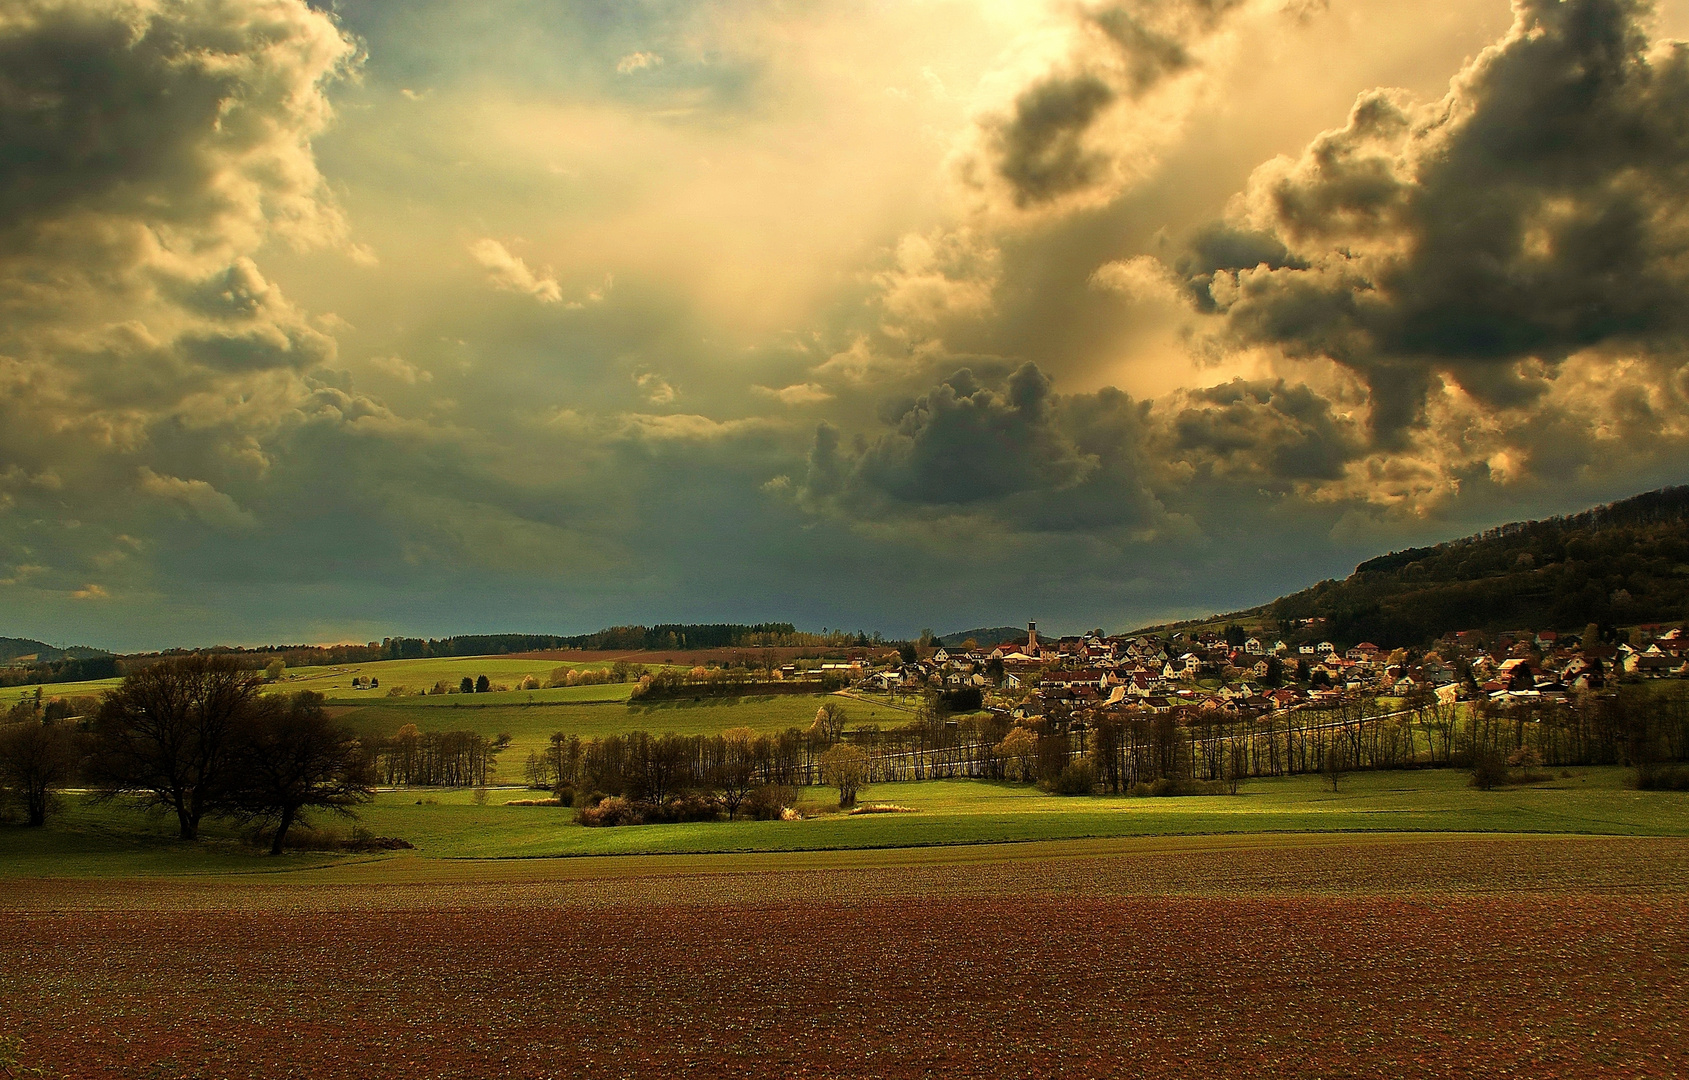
[
  {"x": 1018, "y": 750},
  {"x": 36, "y": 759},
  {"x": 168, "y": 732},
  {"x": 829, "y": 721},
  {"x": 289, "y": 758},
  {"x": 736, "y": 773},
  {"x": 846, "y": 768}
]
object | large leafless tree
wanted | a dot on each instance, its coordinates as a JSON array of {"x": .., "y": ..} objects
[{"x": 169, "y": 733}]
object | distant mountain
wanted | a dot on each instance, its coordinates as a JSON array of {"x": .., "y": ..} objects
[
  {"x": 991, "y": 635},
  {"x": 13, "y": 650},
  {"x": 1615, "y": 565}
]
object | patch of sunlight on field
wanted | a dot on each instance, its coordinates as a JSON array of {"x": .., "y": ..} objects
[
  {"x": 585, "y": 711},
  {"x": 11, "y": 695},
  {"x": 1593, "y": 801},
  {"x": 417, "y": 674},
  {"x": 92, "y": 839}
]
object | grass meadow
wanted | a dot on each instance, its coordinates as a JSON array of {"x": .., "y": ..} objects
[
  {"x": 88, "y": 839},
  {"x": 335, "y": 683}
]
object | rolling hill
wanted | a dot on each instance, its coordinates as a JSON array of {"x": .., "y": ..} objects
[
  {"x": 1620, "y": 564},
  {"x": 13, "y": 650}
]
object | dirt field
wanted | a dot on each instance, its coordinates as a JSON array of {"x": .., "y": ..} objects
[{"x": 1339, "y": 956}]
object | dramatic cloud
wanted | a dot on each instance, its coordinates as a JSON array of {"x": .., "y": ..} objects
[
  {"x": 1003, "y": 450},
  {"x": 720, "y": 311},
  {"x": 1085, "y": 127},
  {"x": 1534, "y": 212},
  {"x": 150, "y": 150}
]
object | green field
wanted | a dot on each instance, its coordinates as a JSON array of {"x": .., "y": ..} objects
[
  {"x": 92, "y": 840},
  {"x": 335, "y": 683},
  {"x": 416, "y": 675},
  {"x": 531, "y": 717},
  {"x": 11, "y": 695}
]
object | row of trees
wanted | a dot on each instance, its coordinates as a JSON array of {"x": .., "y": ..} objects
[
  {"x": 194, "y": 736},
  {"x": 722, "y": 682},
  {"x": 1125, "y": 749},
  {"x": 726, "y": 769},
  {"x": 435, "y": 758}
]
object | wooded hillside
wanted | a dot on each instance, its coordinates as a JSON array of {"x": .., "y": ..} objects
[{"x": 1619, "y": 564}]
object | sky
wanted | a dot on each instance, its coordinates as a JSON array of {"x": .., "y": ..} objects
[{"x": 331, "y": 322}]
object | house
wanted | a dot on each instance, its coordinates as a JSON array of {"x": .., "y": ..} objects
[
  {"x": 1366, "y": 650},
  {"x": 1254, "y": 647},
  {"x": 1325, "y": 648}
]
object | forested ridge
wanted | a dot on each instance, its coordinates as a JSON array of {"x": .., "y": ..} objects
[{"x": 1619, "y": 564}]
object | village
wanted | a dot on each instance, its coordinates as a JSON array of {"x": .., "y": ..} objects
[{"x": 1231, "y": 674}]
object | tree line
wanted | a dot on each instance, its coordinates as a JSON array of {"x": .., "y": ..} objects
[{"x": 641, "y": 777}]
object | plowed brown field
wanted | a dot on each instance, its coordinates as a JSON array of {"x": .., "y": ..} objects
[{"x": 1272, "y": 958}]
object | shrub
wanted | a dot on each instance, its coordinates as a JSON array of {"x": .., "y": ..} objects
[
  {"x": 1489, "y": 768},
  {"x": 766, "y": 803},
  {"x": 619, "y": 811},
  {"x": 1076, "y": 778},
  {"x": 685, "y": 808},
  {"x": 609, "y": 812},
  {"x": 565, "y": 795},
  {"x": 1654, "y": 778}
]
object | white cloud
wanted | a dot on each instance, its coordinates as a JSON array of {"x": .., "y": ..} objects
[
  {"x": 507, "y": 271},
  {"x": 637, "y": 61},
  {"x": 1142, "y": 278},
  {"x": 796, "y": 394},
  {"x": 211, "y": 506},
  {"x": 399, "y": 368},
  {"x": 656, "y": 389}
]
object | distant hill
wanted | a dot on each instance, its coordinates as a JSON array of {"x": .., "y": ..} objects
[
  {"x": 985, "y": 635},
  {"x": 13, "y": 649},
  {"x": 1615, "y": 565}
]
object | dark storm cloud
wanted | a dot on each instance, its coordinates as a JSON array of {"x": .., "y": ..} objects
[
  {"x": 1266, "y": 428},
  {"x": 147, "y": 152},
  {"x": 1220, "y": 246},
  {"x": 1043, "y": 149},
  {"x": 1004, "y": 449},
  {"x": 1536, "y": 211}
]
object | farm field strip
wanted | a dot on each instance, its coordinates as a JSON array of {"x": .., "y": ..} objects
[{"x": 1361, "y": 957}]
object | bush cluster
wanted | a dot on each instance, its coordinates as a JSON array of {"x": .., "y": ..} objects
[
  {"x": 1656, "y": 778},
  {"x": 618, "y": 810}
]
